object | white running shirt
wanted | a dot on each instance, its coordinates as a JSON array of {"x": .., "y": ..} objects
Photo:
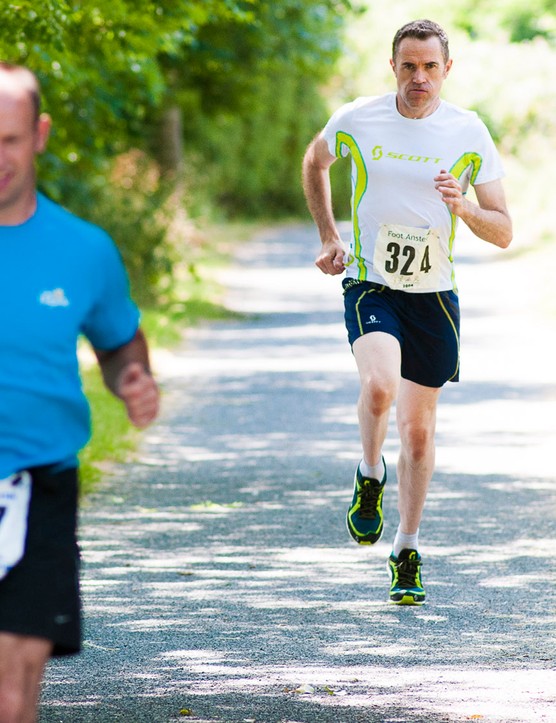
[{"x": 402, "y": 232}]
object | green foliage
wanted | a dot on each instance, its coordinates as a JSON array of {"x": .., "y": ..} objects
[
  {"x": 245, "y": 75},
  {"x": 135, "y": 206},
  {"x": 101, "y": 69},
  {"x": 250, "y": 160},
  {"x": 108, "y": 68},
  {"x": 519, "y": 21},
  {"x": 260, "y": 104}
]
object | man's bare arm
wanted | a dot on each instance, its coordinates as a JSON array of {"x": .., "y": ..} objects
[
  {"x": 126, "y": 372},
  {"x": 490, "y": 219},
  {"x": 316, "y": 185}
]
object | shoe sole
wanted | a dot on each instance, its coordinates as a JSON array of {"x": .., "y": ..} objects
[{"x": 407, "y": 599}]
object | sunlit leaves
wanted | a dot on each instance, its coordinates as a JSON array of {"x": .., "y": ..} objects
[
  {"x": 517, "y": 20},
  {"x": 100, "y": 63}
]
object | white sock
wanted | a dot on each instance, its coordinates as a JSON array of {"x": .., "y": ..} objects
[
  {"x": 404, "y": 541},
  {"x": 375, "y": 471}
]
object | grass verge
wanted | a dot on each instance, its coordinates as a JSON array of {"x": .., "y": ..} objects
[{"x": 113, "y": 438}]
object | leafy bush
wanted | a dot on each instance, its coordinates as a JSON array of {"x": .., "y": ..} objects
[{"x": 133, "y": 204}]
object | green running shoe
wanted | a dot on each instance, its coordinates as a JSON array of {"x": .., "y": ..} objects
[
  {"x": 406, "y": 588},
  {"x": 365, "y": 520}
]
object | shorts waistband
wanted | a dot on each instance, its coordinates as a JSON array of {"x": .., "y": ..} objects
[
  {"x": 53, "y": 468},
  {"x": 350, "y": 283}
]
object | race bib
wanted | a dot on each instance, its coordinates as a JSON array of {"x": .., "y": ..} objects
[
  {"x": 408, "y": 258},
  {"x": 15, "y": 493}
]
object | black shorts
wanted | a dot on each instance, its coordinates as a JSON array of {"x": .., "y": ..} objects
[
  {"x": 426, "y": 325},
  {"x": 40, "y": 595}
]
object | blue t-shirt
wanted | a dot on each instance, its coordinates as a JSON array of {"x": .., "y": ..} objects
[{"x": 60, "y": 277}]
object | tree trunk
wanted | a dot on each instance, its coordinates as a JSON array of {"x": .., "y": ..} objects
[{"x": 170, "y": 146}]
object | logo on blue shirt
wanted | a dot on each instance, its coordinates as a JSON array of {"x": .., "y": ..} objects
[{"x": 56, "y": 297}]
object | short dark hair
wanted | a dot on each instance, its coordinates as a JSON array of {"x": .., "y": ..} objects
[
  {"x": 421, "y": 29},
  {"x": 29, "y": 81}
]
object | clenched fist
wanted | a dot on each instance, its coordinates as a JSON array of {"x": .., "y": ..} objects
[{"x": 139, "y": 392}]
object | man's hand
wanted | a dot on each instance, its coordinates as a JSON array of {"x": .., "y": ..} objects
[
  {"x": 331, "y": 258},
  {"x": 450, "y": 189},
  {"x": 138, "y": 391},
  {"x": 489, "y": 218}
]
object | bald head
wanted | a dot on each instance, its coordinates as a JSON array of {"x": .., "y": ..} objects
[{"x": 17, "y": 82}]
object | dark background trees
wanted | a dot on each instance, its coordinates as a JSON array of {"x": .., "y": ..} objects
[{"x": 165, "y": 105}]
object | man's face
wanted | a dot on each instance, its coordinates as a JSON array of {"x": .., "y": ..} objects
[
  {"x": 22, "y": 136},
  {"x": 420, "y": 70}
]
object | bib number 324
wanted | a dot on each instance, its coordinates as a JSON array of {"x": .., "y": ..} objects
[
  {"x": 15, "y": 493},
  {"x": 408, "y": 258}
]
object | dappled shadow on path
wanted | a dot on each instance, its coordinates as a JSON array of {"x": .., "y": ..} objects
[
  {"x": 227, "y": 607},
  {"x": 219, "y": 577}
]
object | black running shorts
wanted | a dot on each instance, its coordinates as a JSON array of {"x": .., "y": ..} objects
[
  {"x": 40, "y": 595},
  {"x": 425, "y": 324}
]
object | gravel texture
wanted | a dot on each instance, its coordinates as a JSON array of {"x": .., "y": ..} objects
[{"x": 220, "y": 584}]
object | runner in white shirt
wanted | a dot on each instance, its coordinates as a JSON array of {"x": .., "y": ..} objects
[
  {"x": 413, "y": 157},
  {"x": 394, "y": 160}
]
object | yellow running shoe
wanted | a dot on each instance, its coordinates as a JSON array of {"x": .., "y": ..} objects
[
  {"x": 406, "y": 587},
  {"x": 365, "y": 520}
]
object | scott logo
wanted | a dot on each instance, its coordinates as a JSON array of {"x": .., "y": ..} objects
[
  {"x": 377, "y": 153},
  {"x": 413, "y": 158}
]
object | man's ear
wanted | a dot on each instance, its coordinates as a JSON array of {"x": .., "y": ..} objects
[{"x": 44, "y": 124}]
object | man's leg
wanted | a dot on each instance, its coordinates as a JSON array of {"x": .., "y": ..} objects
[
  {"x": 22, "y": 662},
  {"x": 378, "y": 358},
  {"x": 416, "y": 416}
]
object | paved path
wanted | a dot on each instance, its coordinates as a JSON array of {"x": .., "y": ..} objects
[{"x": 218, "y": 574}]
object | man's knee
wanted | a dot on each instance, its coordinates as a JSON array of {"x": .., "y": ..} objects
[
  {"x": 377, "y": 396},
  {"x": 417, "y": 440}
]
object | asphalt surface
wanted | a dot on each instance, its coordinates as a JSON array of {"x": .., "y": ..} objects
[{"x": 220, "y": 584}]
